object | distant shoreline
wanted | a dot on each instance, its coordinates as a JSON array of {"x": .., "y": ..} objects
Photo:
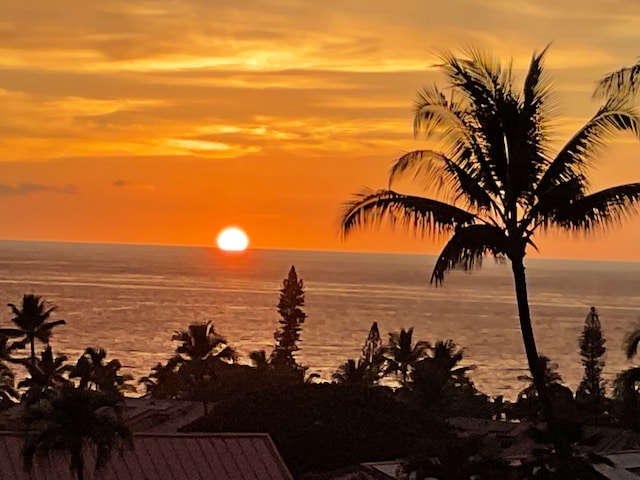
[{"x": 535, "y": 260}]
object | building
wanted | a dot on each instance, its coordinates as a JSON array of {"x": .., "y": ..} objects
[{"x": 225, "y": 456}]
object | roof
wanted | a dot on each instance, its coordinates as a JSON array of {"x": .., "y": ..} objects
[
  {"x": 517, "y": 444},
  {"x": 159, "y": 416},
  {"x": 226, "y": 456},
  {"x": 626, "y": 466},
  {"x": 139, "y": 414}
]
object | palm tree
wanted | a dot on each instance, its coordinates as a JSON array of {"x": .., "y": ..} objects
[
  {"x": 93, "y": 372},
  {"x": 8, "y": 393},
  {"x": 259, "y": 360},
  {"x": 497, "y": 178},
  {"x": 550, "y": 374},
  {"x": 165, "y": 381},
  {"x": 31, "y": 320},
  {"x": 626, "y": 384},
  {"x": 46, "y": 376},
  {"x": 352, "y": 373},
  {"x": 201, "y": 341},
  {"x": 440, "y": 380},
  {"x": 6, "y": 349},
  {"x": 73, "y": 421},
  {"x": 401, "y": 353}
]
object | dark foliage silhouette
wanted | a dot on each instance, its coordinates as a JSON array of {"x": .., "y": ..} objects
[
  {"x": 194, "y": 372},
  {"x": 401, "y": 354},
  {"x": 291, "y": 319},
  {"x": 320, "y": 427},
  {"x": 454, "y": 458},
  {"x": 497, "y": 178},
  {"x": 368, "y": 369},
  {"x": 94, "y": 374},
  {"x": 592, "y": 349},
  {"x": 443, "y": 385},
  {"x": 76, "y": 419},
  {"x": 46, "y": 376},
  {"x": 31, "y": 320},
  {"x": 8, "y": 393},
  {"x": 627, "y": 384}
]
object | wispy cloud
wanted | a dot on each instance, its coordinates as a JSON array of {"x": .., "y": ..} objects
[
  {"x": 133, "y": 185},
  {"x": 27, "y": 188}
]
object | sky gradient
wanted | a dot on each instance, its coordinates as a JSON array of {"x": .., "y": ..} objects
[{"x": 161, "y": 121}]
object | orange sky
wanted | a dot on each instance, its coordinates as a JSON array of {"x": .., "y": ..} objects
[{"x": 158, "y": 121}]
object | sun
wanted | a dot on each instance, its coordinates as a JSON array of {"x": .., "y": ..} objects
[{"x": 232, "y": 239}]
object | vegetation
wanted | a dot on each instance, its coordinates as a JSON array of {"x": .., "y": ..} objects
[
  {"x": 496, "y": 179},
  {"x": 591, "y": 388},
  {"x": 72, "y": 420},
  {"x": 626, "y": 387},
  {"x": 324, "y": 426},
  {"x": 292, "y": 318},
  {"x": 357, "y": 418},
  {"x": 368, "y": 369},
  {"x": 31, "y": 322},
  {"x": 401, "y": 354}
]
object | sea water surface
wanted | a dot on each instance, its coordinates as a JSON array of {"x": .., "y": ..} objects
[{"x": 130, "y": 299}]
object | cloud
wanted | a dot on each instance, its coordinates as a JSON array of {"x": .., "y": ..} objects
[
  {"x": 133, "y": 185},
  {"x": 27, "y": 188}
]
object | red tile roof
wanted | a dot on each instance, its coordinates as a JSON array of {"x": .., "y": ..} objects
[{"x": 226, "y": 456}]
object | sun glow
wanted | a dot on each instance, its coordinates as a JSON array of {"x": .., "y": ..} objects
[{"x": 232, "y": 239}]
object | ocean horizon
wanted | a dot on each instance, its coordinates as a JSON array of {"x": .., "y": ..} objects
[{"x": 129, "y": 299}]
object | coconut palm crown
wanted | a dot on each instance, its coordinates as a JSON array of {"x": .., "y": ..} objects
[
  {"x": 31, "y": 319},
  {"x": 495, "y": 177}
]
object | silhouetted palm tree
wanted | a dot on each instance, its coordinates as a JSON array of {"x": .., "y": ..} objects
[
  {"x": 73, "y": 421},
  {"x": 8, "y": 393},
  {"x": 497, "y": 178},
  {"x": 259, "y": 359},
  {"x": 401, "y": 353},
  {"x": 6, "y": 349},
  {"x": 550, "y": 374},
  {"x": 442, "y": 366},
  {"x": 201, "y": 341},
  {"x": 351, "y": 373},
  {"x": 46, "y": 376},
  {"x": 165, "y": 381},
  {"x": 31, "y": 320},
  {"x": 626, "y": 384},
  {"x": 93, "y": 372}
]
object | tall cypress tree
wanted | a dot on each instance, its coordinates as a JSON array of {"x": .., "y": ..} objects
[
  {"x": 592, "y": 350},
  {"x": 292, "y": 317}
]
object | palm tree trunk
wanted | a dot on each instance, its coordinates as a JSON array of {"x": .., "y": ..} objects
[
  {"x": 561, "y": 447},
  {"x": 79, "y": 463},
  {"x": 33, "y": 352}
]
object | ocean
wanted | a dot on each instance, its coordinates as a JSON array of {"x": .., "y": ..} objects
[{"x": 131, "y": 299}]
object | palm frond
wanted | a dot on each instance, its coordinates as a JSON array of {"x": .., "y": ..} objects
[
  {"x": 11, "y": 332},
  {"x": 458, "y": 126},
  {"x": 575, "y": 158},
  {"x": 467, "y": 247},
  {"x": 599, "y": 210},
  {"x": 625, "y": 81},
  {"x": 486, "y": 86},
  {"x": 454, "y": 179},
  {"x": 625, "y": 382},
  {"x": 561, "y": 194},
  {"x": 417, "y": 214}
]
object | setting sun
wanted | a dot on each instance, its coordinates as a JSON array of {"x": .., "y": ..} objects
[{"x": 232, "y": 239}]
